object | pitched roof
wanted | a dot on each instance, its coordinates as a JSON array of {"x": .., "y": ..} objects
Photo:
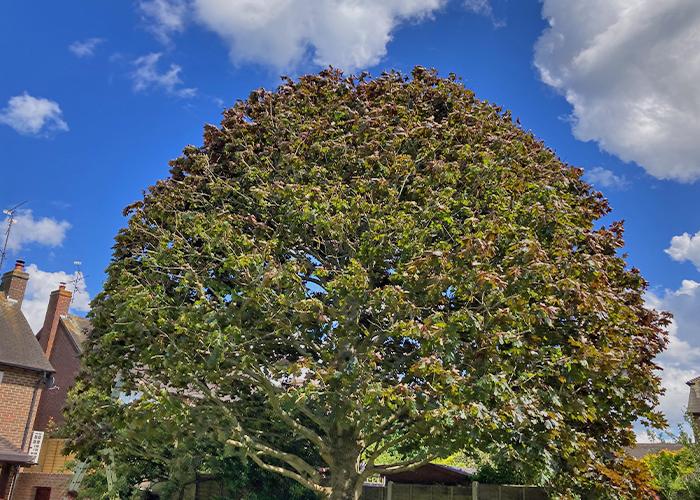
[
  {"x": 643, "y": 449},
  {"x": 694, "y": 396},
  {"x": 78, "y": 329},
  {"x": 18, "y": 345}
]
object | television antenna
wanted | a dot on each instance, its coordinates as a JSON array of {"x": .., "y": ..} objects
[
  {"x": 10, "y": 221},
  {"x": 79, "y": 278}
]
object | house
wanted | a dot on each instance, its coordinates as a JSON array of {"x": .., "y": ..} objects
[
  {"x": 60, "y": 339},
  {"x": 25, "y": 373}
]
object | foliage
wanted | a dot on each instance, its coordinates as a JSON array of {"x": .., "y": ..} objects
[
  {"x": 180, "y": 466},
  {"x": 499, "y": 474},
  {"x": 347, "y": 259},
  {"x": 677, "y": 473}
]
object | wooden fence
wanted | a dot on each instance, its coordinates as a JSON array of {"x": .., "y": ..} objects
[
  {"x": 210, "y": 489},
  {"x": 437, "y": 492},
  {"x": 51, "y": 460}
]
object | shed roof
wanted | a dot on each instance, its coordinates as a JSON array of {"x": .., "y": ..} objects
[
  {"x": 434, "y": 474},
  {"x": 10, "y": 454},
  {"x": 18, "y": 345}
]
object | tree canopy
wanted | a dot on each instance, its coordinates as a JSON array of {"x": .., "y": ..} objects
[{"x": 350, "y": 265}]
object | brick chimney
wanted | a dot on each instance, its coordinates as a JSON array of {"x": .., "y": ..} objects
[
  {"x": 14, "y": 283},
  {"x": 59, "y": 303}
]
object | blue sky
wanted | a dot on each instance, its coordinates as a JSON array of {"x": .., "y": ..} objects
[{"x": 96, "y": 97}]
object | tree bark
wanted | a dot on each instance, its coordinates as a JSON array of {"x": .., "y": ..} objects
[{"x": 345, "y": 480}]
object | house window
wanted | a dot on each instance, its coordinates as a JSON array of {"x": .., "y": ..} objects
[{"x": 1, "y": 374}]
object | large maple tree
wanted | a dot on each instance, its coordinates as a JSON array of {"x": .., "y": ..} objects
[{"x": 353, "y": 265}]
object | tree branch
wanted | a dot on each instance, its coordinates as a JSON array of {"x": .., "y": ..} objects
[
  {"x": 393, "y": 442},
  {"x": 269, "y": 389},
  {"x": 292, "y": 475},
  {"x": 298, "y": 463}
]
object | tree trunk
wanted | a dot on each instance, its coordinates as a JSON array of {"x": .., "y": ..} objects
[
  {"x": 344, "y": 478},
  {"x": 344, "y": 488}
]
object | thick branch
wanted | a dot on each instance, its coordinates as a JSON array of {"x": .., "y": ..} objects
[
  {"x": 248, "y": 442},
  {"x": 292, "y": 475},
  {"x": 269, "y": 389},
  {"x": 298, "y": 463}
]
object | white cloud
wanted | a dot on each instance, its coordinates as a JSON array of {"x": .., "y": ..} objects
[
  {"x": 39, "y": 288},
  {"x": 601, "y": 177},
  {"x": 630, "y": 70},
  {"x": 27, "y": 229},
  {"x": 86, "y": 48},
  {"x": 681, "y": 360},
  {"x": 685, "y": 247},
  {"x": 483, "y": 7},
  {"x": 29, "y": 115},
  {"x": 479, "y": 6},
  {"x": 166, "y": 17},
  {"x": 348, "y": 34},
  {"x": 147, "y": 76}
]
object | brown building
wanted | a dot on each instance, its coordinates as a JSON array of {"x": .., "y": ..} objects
[
  {"x": 61, "y": 338},
  {"x": 24, "y": 374},
  {"x": 694, "y": 400}
]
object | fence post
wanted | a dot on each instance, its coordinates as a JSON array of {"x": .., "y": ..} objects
[
  {"x": 389, "y": 490},
  {"x": 475, "y": 490}
]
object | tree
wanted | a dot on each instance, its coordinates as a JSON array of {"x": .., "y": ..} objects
[{"x": 372, "y": 265}]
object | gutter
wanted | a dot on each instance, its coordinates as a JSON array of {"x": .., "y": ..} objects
[{"x": 48, "y": 381}]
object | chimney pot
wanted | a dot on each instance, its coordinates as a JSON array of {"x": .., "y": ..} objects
[
  {"x": 19, "y": 265},
  {"x": 62, "y": 286}
]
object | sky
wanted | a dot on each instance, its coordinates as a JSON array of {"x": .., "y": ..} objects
[{"x": 97, "y": 97}]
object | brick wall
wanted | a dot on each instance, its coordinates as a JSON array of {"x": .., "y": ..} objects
[
  {"x": 14, "y": 282},
  {"x": 59, "y": 303},
  {"x": 16, "y": 391},
  {"x": 64, "y": 360},
  {"x": 28, "y": 483}
]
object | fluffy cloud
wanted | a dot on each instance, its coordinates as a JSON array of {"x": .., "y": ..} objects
[
  {"x": 601, "y": 177},
  {"x": 147, "y": 76},
  {"x": 86, "y": 48},
  {"x": 30, "y": 115},
  {"x": 685, "y": 247},
  {"x": 39, "y": 288},
  {"x": 681, "y": 360},
  {"x": 348, "y": 34},
  {"x": 165, "y": 17},
  {"x": 27, "y": 229},
  {"x": 630, "y": 70}
]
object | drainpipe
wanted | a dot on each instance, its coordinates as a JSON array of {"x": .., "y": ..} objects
[{"x": 48, "y": 383}]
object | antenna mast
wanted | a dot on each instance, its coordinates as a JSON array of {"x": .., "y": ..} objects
[
  {"x": 11, "y": 220},
  {"x": 79, "y": 278}
]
